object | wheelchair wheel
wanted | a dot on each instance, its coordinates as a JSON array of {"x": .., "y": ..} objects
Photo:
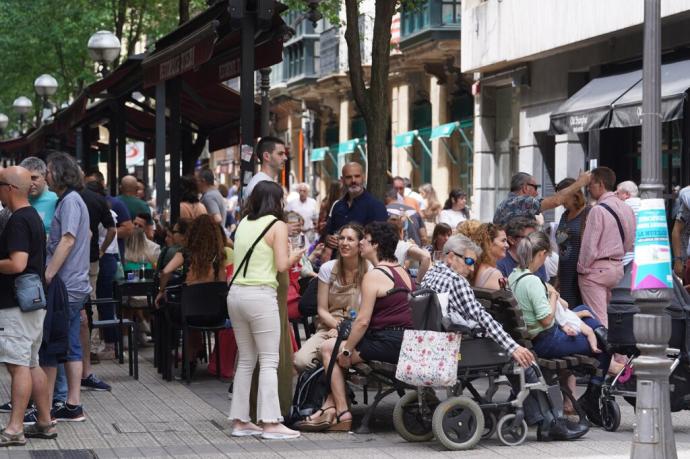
[
  {"x": 458, "y": 423},
  {"x": 411, "y": 422},
  {"x": 610, "y": 415},
  {"x": 490, "y": 425},
  {"x": 509, "y": 434}
]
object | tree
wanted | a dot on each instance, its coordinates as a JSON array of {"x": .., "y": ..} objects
[
  {"x": 373, "y": 97},
  {"x": 50, "y": 36}
]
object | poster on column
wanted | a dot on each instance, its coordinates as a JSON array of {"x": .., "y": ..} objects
[{"x": 652, "y": 262}]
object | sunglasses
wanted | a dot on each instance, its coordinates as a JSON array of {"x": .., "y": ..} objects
[
  {"x": 534, "y": 185},
  {"x": 468, "y": 260}
]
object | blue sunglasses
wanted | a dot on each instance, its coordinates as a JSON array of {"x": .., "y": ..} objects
[{"x": 468, "y": 260}]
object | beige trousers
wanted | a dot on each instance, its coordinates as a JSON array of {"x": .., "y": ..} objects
[{"x": 310, "y": 350}]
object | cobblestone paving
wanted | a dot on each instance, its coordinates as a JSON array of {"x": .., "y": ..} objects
[{"x": 153, "y": 418}]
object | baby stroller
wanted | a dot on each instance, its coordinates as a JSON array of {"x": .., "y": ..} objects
[
  {"x": 621, "y": 339},
  {"x": 460, "y": 421}
]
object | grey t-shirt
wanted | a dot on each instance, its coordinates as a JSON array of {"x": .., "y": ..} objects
[
  {"x": 258, "y": 177},
  {"x": 215, "y": 203},
  {"x": 72, "y": 216}
]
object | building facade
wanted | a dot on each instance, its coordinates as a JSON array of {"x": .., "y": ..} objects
[{"x": 557, "y": 89}]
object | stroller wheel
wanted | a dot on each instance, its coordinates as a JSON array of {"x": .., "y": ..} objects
[
  {"x": 490, "y": 425},
  {"x": 510, "y": 434},
  {"x": 610, "y": 415},
  {"x": 411, "y": 421},
  {"x": 458, "y": 423}
]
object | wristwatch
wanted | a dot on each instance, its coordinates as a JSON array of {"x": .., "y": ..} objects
[{"x": 346, "y": 353}]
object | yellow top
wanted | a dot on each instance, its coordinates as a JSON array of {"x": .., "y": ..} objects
[{"x": 261, "y": 268}]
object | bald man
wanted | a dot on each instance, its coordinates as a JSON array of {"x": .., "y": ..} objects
[
  {"x": 357, "y": 206},
  {"x": 128, "y": 196},
  {"x": 22, "y": 253}
]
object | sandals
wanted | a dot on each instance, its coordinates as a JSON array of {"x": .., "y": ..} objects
[
  {"x": 38, "y": 431},
  {"x": 7, "y": 439},
  {"x": 311, "y": 425},
  {"x": 341, "y": 426}
]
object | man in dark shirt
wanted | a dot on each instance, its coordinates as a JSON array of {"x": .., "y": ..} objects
[
  {"x": 95, "y": 181},
  {"x": 357, "y": 206},
  {"x": 22, "y": 251},
  {"x": 99, "y": 214},
  {"x": 516, "y": 230}
]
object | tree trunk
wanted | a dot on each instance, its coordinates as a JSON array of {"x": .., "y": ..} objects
[{"x": 373, "y": 102}]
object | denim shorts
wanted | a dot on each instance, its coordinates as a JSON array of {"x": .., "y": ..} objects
[
  {"x": 20, "y": 336},
  {"x": 74, "y": 343}
]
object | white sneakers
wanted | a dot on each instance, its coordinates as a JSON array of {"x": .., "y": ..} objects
[{"x": 283, "y": 434}]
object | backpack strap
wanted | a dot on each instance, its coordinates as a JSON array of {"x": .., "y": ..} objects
[
  {"x": 530, "y": 274},
  {"x": 248, "y": 255},
  {"x": 618, "y": 221}
]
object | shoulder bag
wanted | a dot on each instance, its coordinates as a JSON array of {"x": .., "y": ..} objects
[{"x": 28, "y": 289}]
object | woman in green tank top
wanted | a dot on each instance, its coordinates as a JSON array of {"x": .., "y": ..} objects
[{"x": 261, "y": 251}]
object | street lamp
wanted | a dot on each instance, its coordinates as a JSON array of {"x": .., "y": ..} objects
[
  {"x": 22, "y": 105},
  {"x": 45, "y": 86},
  {"x": 104, "y": 48}
]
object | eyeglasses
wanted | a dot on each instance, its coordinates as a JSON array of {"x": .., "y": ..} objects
[
  {"x": 534, "y": 185},
  {"x": 469, "y": 261}
]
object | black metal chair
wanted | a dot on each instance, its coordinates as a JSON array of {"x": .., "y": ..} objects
[
  {"x": 121, "y": 325},
  {"x": 203, "y": 307}
]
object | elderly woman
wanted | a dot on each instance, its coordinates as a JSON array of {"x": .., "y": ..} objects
[
  {"x": 339, "y": 291},
  {"x": 494, "y": 243},
  {"x": 377, "y": 332},
  {"x": 569, "y": 237},
  {"x": 539, "y": 302}
]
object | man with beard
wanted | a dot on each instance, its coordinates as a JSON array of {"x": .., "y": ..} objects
[{"x": 357, "y": 206}]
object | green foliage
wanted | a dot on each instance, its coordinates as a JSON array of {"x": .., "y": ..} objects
[{"x": 50, "y": 36}]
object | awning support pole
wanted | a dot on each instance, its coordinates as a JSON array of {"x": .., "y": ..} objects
[
  {"x": 121, "y": 138},
  {"x": 424, "y": 146},
  {"x": 173, "y": 96},
  {"x": 466, "y": 140},
  {"x": 80, "y": 147},
  {"x": 161, "y": 195},
  {"x": 112, "y": 161},
  {"x": 410, "y": 157},
  {"x": 247, "y": 94},
  {"x": 444, "y": 141},
  {"x": 265, "y": 102}
]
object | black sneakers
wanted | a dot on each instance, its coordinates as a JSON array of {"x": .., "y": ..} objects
[{"x": 68, "y": 413}]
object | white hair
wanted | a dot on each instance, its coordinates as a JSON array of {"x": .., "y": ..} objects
[{"x": 629, "y": 187}]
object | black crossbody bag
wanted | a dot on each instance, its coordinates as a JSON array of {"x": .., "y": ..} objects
[{"x": 245, "y": 261}]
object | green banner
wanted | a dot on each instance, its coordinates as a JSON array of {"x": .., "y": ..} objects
[
  {"x": 404, "y": 140},
  {"x": 319, "y": 154},
  {"x": 348, "y": 147},
  {"x": 444, "y": 130}
]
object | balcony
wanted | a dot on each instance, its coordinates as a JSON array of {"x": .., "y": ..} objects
[
  {"x": 434, "y": 21},
  {"x": 301, "y": 54}
]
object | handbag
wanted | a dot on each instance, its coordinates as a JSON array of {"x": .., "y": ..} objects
[
  {"x": 28, "y": 289},
  {"x": 428, "y": 358}
]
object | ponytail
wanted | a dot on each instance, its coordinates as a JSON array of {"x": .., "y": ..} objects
[{"x": 529, "y": 246}]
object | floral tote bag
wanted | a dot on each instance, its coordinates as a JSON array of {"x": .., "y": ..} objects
[{"x": 428, "y": 358}]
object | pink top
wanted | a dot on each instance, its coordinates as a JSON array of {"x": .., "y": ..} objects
[{"x": 601, "y": 239}]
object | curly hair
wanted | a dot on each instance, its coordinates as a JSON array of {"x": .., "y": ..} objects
[
  {"x": 205, "y": 245},
  {"x": 484, "y": 237},
  {"x": 468, "y": 228},
  {"x": 386, "y": 237}
]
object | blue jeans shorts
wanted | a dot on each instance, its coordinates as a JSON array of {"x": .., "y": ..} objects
[{"x": 74, "y": 343}]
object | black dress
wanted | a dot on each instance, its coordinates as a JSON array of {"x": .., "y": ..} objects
[{"x": 569, "y": 237}]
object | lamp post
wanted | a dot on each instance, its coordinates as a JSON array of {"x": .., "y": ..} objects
[
  {"x": 104, "y": 48},
  {"x": 22, "y": 105},
  {"x": 45, "y": 86},
  {"x": 653, "y": 435}
]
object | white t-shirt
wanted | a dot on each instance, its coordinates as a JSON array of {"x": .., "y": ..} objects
[
  {"x": 258, "y": 177},
  {"x": 306, "y": 209},
  {"x": 327, "y": 268},
  {"x": 401, "y": 251},
  {"x": 112, "y": 248},
  {"x": 451, "y": 217}
]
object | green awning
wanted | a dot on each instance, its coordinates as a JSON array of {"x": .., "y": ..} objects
[
  {"x": 347, "y": 147},
  {"x": 319, "y": 154},
  {"x": 443, "y": 131},
  {"x": 404, "y": 140}
]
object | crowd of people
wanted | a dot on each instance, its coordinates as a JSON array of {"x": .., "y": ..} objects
[{"x": 364, "y": 256}]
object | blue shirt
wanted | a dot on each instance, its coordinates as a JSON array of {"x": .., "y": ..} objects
[
  {"x": 506, "y": 265},
  {"x": 365, "y": 209},
  {"x": 45, "y": 206},
  {"x": 122, "y": 216}
]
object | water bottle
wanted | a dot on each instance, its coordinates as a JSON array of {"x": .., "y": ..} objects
[
  {"x": 353, "y": 314},
  {"x": 142, "y": 272}
]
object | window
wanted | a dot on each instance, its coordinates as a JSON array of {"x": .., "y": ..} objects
[
  {"x": 415, "y": 20},
  {"x": 450, "y": 12}
]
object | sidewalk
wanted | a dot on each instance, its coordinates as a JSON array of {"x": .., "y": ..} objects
[{"x": 153, "y": 418}]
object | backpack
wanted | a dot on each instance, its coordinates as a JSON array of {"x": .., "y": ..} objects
[{"x": 314, "y": 385}]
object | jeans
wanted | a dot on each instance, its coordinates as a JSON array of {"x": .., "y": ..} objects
[
  {"x": 253, "y": 311},
  {"x": 60, "y": 390},
  {"x": 73, "y": 332},
  {"x": 104, "y": 289},
  {"x": 554, "y": 343}
]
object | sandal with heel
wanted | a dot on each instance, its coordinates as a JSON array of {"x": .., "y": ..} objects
[
  {"x": 312, "y": 425},
  {"x": 339, "y": 425}
]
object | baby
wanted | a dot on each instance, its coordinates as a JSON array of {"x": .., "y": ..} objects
[{"x": 572, "y": 324}]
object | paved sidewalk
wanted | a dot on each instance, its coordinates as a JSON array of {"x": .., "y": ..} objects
[{"x": 153, "y": 418}]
